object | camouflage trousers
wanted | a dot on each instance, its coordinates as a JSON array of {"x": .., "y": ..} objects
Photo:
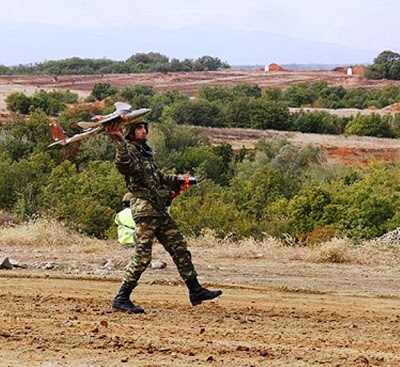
[{"x": 168, "y": 234}]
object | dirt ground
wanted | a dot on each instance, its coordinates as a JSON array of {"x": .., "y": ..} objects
[
  {"x": 56, "y": 312},
  {"x": 350, "y": 150},
  {"x": 189, "y": 82}
]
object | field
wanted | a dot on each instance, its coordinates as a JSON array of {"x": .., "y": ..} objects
[
  {"x": 281, "y": 306},
  {"x": 349, "y": 150},
  {"x": 190, "y": 82}
]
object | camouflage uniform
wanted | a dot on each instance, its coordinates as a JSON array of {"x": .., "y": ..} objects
[{"x": 152, "y": 192}]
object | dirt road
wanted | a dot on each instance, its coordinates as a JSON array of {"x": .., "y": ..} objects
[{"x": 271, "y": 313}]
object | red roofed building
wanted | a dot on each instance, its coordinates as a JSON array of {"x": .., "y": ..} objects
[{"x": 274, "y": 67}]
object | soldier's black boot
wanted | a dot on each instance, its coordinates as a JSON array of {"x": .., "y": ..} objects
[
  {"x": 122, "y": 303},
  {"x": 198, "y": 294}
]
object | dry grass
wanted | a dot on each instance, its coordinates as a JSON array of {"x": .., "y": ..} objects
[
  {"x": 336, "y": 250},
  {"x": 49, "y": 233},
  {"x": 44, "y": 232},
  {"x": 7, "y": 219}
]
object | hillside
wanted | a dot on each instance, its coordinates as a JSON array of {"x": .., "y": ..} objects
[
  {"x": 347, "y": 149},
  {"x": 190, "y": 82}
]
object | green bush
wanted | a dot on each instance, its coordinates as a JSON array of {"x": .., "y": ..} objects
[
  {"x": 86, "y": 200},
  {"x": 237, "y": 112},
  {"x": 207, "y": 206},
  {"x": 273, "y": 94},
  {"x": 28, "y": 177},
  {"x": 269, "y": 115},
  {"x": 103, "y": 90},
  {"x": 372, "y": 125},
  {"x": 216, "y": 94},
  {"x": 18, "y": 102},
  {"x": 21, "y": 137},
  {"x": 318, "y": 122},
  {"x": 386, "y": 66},
  {"x": 247, "y": 90},
  {"x": 309, "y": 209},
  {"x": 197, "y": 113}
]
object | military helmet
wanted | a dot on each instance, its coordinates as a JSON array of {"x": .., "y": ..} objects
[{"x": 127, "y": 197}]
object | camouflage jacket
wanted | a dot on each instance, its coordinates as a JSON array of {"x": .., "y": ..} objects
[{"x": 151, "y": 188}]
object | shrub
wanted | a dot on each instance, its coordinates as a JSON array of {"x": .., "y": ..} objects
[
  {"x": 269, "y": 115},
  {"x": 103, "y": 90},
  {"x": 197, "y": 112},
  {"x": 318, "y": 122},
  {"x": 86, "y": 200},
  {"x": 18, "y": 102},
  {"x": 337, "y": 250},
  {"x": 372, "y": 125}
]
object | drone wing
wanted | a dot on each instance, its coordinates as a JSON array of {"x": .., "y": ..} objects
[
  {"x": 121, "y": 109},
  {"x": 125, "y": 116},
  {"x": 122, "y": 106},
  {"x": 77, "y": 137}
]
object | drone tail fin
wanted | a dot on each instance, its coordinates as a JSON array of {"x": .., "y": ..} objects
[{"x": 57, "y": 132}]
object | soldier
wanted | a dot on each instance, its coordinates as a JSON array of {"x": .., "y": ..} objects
[
  {"x": 126, "y": 224},
  {"x": 152, "y": 191}
]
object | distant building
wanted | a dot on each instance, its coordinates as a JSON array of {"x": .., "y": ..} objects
[
  {"x": 274, "y": 67},
  {"x": 359, "y": 70},
  {"x": 351, "y": 70}
]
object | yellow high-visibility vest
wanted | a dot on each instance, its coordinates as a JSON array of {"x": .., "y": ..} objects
[{"x": 126, "y": 227}]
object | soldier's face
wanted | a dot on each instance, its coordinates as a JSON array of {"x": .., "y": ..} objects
[{"x": 141, "y": 132}]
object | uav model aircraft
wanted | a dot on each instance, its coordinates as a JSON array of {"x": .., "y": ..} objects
[{"x": 123, "y": 114}]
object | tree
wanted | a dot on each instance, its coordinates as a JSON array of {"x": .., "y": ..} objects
[
  {"x": 372, "y": 125},
  {"x": 269, "y": 115},
  {"x": 149, "y": 58},
  {"x": 197, "y": 112},
  {"x": 247, "y": 90},
  {"x": 86, "y": 200},
  {"x": 318, "y": 122},
  {"x": 273, "y": 94},
  {"x": 18, "y": 102},
  {"x": 303, "y": 94},
  {"x": 386, "y": 65},
  {"x": 208, "y": 63},
  {"x": 103, "y": 90},
  {"x": 237, "y": 113},
  {"x": 216, "y": 94}
]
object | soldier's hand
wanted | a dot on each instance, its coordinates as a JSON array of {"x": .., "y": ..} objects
[
  {"x": 114, "y": 131},
  {"x": 190, "y": 180}
]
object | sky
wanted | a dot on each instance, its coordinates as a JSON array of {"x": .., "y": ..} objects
[{"x": 240, "y": 32}]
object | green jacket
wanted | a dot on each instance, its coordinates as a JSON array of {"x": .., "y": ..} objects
[
  {"x": 151, "y": 188},
  {"x": 126, "y": 227}
]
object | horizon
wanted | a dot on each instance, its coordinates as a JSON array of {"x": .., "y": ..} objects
[{"x": 255, "y": 32}]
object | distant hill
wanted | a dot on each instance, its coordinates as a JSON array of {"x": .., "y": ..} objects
[{"x": 236, "y": 47}]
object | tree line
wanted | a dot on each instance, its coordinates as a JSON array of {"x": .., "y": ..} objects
[{"x": 137, "y": 63}]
